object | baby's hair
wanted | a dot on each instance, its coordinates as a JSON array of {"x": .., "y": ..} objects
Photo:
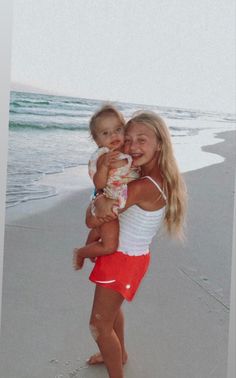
[
  {"x": 174, "y": 184},
  {"x": 105, "y": 111}
]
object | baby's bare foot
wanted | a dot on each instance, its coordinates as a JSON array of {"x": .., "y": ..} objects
[
  {"x": 98, "y": 359},
  {"x": 78, "y": 261}
]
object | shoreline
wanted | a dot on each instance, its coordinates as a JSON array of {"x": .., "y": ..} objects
[
  {"x": 76, "y": 179},
  {"x": 67, "y": 184}
]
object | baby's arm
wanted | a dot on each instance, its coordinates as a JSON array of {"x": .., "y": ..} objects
[
  {"x": 139, "y": 191},
  {"x": 103, "y": 166},
  {"x": 101, "y": 176}
]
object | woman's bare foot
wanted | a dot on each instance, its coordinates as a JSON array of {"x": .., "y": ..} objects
[
  {"x": 97, "y": 358},
  {"x": 78, "y": 261}
]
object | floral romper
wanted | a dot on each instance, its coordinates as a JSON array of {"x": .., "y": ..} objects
[{"x": 118, "y": 179}]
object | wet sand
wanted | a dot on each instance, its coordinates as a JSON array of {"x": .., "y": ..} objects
[{"x": 177, "y": 325}]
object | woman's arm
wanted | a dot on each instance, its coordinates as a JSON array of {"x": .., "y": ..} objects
[
  {"x": 95, "y": 221},
  {"x": 137, "y": 192}
]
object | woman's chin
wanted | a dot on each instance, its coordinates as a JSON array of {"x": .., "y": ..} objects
[{"x": 136, "y": 163}]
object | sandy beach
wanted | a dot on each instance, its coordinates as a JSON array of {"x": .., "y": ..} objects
[{"x": 177, "y": 325}]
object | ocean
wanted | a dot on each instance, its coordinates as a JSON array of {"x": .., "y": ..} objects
[{"x": 49, "y": 134}]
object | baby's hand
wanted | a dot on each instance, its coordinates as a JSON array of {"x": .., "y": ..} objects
[
  {"x": 108, "y": 158},
  {"x": 78, "y": 261}
]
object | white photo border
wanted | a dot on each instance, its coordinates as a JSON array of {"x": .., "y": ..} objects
[{"x": 6, "y": 19}]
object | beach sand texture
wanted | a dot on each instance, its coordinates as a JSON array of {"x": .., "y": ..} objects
[{"x": 176, "y": 327}]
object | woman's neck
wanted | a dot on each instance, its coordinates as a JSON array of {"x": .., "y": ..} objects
[{"x": 150, "y": 169}]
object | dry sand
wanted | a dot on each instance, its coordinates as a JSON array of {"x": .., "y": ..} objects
[{"x": 177, "y": 326}]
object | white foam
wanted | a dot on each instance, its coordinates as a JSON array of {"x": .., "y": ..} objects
[
  {"x": 201, "y": 124},
  {"x": 71, "y": 180},
  {"x": 189, "y": 153},
  {"x": 66, "y": 183}
]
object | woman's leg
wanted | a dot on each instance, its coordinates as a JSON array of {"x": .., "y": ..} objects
[
  {"x": 105, "y": 309},
  {"x": 119, "y": 330}
]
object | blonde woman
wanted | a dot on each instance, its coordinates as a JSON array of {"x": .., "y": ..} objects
[{"x": 158, "y": 196}]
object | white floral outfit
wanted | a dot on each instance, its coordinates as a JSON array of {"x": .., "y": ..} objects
[{"x": 118, "y": 178}]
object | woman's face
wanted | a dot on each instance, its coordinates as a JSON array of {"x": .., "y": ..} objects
[{"x": 142, "y": 144}]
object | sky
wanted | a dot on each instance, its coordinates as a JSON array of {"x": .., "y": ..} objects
[{"x": 178, "y": 53}]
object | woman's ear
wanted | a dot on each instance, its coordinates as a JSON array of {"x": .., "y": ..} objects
[{"x": 159, "y": 146}]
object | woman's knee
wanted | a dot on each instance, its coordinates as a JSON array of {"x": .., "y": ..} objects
[{"x": 99, "y": 327}]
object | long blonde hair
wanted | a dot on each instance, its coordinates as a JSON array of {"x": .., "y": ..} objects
[{"x": 173, "y": 182}]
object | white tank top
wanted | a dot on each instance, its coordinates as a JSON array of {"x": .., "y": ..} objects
[{"x": 138, "y": 227}]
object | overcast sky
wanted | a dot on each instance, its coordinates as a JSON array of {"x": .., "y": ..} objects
[{"x": 167, "y": 52}]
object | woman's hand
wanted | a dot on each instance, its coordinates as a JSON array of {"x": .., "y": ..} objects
[{"x": 104, "y": 209}]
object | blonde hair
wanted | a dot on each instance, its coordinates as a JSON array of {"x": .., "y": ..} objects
[
  {"x": 105, "y": 111},
  {"x": 174, "y": 185}
]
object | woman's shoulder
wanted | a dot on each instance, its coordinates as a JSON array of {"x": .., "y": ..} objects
[
  {"x": 148, "y": 192},
  {"x": 145, "y": 182}
]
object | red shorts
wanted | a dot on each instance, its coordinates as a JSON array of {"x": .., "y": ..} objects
[{"x": 120, "y": 272}]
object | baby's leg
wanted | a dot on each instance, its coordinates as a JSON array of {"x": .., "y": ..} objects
[
  {"x": 109, "y": 234},
  {"x": 93, "y": 236}
]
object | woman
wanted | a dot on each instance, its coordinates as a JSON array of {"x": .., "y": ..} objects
[{"x": 158, "y": 196}]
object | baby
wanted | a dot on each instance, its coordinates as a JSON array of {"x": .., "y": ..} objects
[{"x": 111, "y": 170}]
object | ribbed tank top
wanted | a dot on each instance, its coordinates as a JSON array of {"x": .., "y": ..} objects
[{"x": 138, "y": 227}]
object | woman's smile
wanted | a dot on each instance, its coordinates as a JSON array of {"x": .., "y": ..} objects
[
  {"x": 136, "y": 156},
  {"x": 141, "y": 143}
]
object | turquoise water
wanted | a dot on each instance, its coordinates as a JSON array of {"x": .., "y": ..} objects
[{"x": 48, "y": 134}]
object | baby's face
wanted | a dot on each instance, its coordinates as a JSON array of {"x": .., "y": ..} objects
[{"x": 109, "y": 133}]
